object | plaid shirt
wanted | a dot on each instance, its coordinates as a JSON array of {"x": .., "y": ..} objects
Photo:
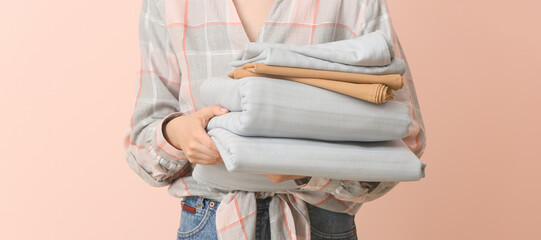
[{"x": 184, "y": 43}]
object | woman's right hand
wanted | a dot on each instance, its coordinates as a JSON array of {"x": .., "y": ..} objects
[{"x": 187, "y": 133}]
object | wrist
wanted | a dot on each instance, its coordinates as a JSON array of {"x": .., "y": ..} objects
[{"x": 168, "y": 130}]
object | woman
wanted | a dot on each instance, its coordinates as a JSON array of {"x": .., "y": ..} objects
[{"x": 185, "y": 42}]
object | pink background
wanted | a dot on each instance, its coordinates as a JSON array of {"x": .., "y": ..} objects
[{"x": 69, "y": 69}]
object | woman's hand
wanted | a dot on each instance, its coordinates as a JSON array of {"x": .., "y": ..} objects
[
  {"x": 280, "y": 178},
  {"x": 187, "y": 132}
]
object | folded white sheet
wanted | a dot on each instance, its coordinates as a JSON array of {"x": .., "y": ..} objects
[
  {"x": 369, "y": 54},
  {"x": 272, "y": 107},
  {"x": 362, "y": 161}
]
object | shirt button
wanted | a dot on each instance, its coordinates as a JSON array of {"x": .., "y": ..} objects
[{"x": 211, "y": 204}]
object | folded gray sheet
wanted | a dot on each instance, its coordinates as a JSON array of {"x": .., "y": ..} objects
[
  {"x": 269, "y": 107},
  {"x": 362, "y": 161},
  {"x": 217, "y": 176},
  {"x": 369, "y": 54}
]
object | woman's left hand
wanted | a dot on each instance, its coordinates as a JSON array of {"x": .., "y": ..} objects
[{"x": 280, "y": 178}]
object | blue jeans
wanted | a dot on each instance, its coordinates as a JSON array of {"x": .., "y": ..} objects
[{"x": 201, "y": 224}]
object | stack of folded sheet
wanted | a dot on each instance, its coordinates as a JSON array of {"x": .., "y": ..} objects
[{"x": 323, "y": 110}]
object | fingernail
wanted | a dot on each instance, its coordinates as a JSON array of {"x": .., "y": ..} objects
[{"x": 223, "y": 109}]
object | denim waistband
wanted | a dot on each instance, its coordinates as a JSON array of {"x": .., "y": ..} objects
[{"x": 200, "y": 203}]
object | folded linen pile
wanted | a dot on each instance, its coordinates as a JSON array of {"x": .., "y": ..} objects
[
  {"x": 363, "y": 67},
  {"x": 279, "y": 125}
]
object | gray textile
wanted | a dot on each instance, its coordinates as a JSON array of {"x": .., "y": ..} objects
[
  {"x": 269, "y": 107},
  {"x": 217, "y": 176},
  {"x": 368, "y": 54},
  {"x": 362, "y": 161}
]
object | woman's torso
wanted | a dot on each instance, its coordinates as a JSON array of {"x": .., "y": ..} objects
[{"x": 214, "y": 36}]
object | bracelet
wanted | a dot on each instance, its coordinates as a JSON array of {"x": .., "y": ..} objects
[{"x": 302, "y": 181}]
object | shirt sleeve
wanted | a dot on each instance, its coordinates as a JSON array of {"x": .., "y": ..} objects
[
  {"x": 156, "y": 102},
  {"x": 378, "y": 18}
]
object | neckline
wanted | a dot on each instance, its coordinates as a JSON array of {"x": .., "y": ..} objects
[{"x": 267, "y": 19}]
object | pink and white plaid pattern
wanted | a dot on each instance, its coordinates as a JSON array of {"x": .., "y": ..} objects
[
  {"x": 289, "y": 219},
  {"x": 185, "y": 42}
]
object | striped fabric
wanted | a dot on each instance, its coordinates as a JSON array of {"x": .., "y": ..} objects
[{"x": 185, "y": 42}]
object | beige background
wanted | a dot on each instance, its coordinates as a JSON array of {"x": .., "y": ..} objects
[{"x": 68, "y": 75}]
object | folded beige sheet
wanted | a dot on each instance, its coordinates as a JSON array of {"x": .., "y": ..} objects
[{"x": 372, "y": 88}]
